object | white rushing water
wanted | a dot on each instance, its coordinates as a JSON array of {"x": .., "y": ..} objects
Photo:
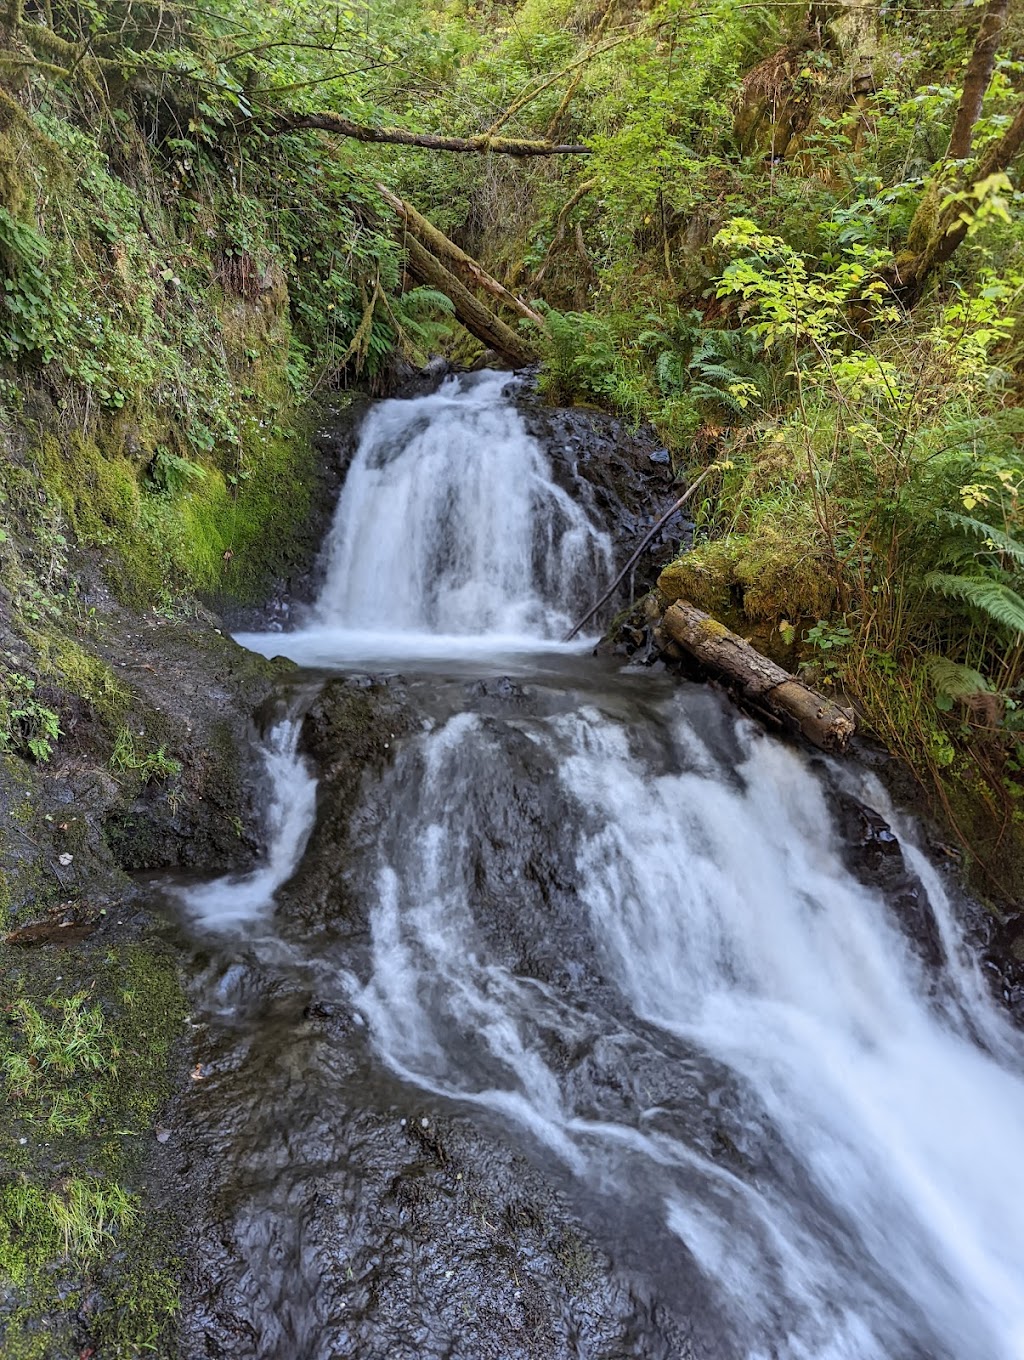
[
  {"x": 451, "y": 538},
  {"x": 237, "y": 900},
  {"x": 884, "y": 1218},
  {"x": 872, "y": 1204}
]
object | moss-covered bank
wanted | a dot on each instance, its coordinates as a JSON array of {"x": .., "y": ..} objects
[{"x": 153, "y": 456}]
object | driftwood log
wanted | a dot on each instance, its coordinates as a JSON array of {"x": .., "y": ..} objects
[{"x": 761, "y": 682}]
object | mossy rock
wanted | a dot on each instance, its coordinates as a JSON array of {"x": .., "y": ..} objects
[
  {"x": 763, "y": 577},
  {"x": 704, "y": 576}
]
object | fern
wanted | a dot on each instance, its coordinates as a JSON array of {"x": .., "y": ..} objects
[
  {"x": 424, "y": 302},
  {"x": 706, "y": 395},
  {"x": 670, "y": 372},
  {"x": 173, "y": 474},
  {"x": 951, "y": 680},
  {"x": 998, "y": 601},
  {"x": 996, "y": 540},
  {"x": 713, "y": 375}
]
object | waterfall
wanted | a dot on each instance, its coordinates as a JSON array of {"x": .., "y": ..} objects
[
  {"x": 451, "y": 538},
  {"x": 624, "y": 928},
  {"x": 237, "y": 900},
  {"x": 863, "y": 1210}
]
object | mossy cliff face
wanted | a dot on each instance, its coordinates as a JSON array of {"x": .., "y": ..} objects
[
  {"x": 153, "y": 770},
  {"x": 152, "y": 375}
]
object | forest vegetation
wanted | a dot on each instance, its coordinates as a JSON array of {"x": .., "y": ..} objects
[{"x": 788, "y": 235}]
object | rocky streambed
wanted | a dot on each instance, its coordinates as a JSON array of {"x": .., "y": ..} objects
[{"x": 418, "y": 1107}]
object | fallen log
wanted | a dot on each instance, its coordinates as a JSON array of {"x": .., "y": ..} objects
[
  {"x": 481, "y": 145},
  {"x": 761, "y": 682},
  {"x": 479, "y": 320},
  {"x": 454, "y": 258}
]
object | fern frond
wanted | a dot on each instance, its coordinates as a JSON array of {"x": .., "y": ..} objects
[
  {"x": 174, "y": 474},
  {"x": 713, "y": 373},
  {"x": 707, "y": 395},
  {"x": 670, "y": 372},
  {"x": 993, "y": 598},
  {"x": 418, "y": 301},
  {"x": 996, "y": 539},
  {"x": 951, "y": 680}
]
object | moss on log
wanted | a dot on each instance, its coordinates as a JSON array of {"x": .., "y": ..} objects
[{"x": 821, "y": 720}]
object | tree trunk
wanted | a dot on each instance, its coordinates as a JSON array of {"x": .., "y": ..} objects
[
  {"x": 449, "y": 254},
  {"x": 759, "y": 681},
  {"x": 477, "y": 319},
  {"x": 907, "y": 278},
  {"x": 480, "y": 145},
  {"x": 976, "y": 79}
]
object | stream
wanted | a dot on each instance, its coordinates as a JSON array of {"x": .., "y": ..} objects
[{"x": 593, "y": 949}]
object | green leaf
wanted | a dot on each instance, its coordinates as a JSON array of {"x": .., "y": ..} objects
[
  {"x": 951, "y": 680},
  {"x": 995, "y": 539}
]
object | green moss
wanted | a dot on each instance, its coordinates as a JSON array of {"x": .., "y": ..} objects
[
  {"x": 782, "y": 571},
  {"x": 84, "y": 674},
  {"x": 153, "y": 1011},
  {"x": 92, "y": 1232},
  {"x": 575, "y": 1260},
  {"x": 222, "y": 531},
  {"x": 772, "y": 572},
  {"x": 140, "y": 1300},
  {"x": 703, "y": 576}
]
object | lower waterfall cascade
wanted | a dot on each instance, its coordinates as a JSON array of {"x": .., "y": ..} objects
[{"x": 618, "y": 923}]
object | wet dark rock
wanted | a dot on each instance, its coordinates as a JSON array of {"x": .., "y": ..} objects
[
  {"x": 358, "y": 1225},
  {"x": 617, "y": 471},
  {"x": 335, "y": 440},
  {"x": 871, "y": 851},
  {"x": 502, "y": 688},
  {"x": 352, "y": 728},
  {"x": 420, "y": 382}
]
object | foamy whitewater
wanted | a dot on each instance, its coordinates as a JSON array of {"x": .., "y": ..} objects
[{"x": 451, "y": 539}]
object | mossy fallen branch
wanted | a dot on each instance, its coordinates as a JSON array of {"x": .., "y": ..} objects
[
  {"x": 760, "y": 682},
  {"x": 464, "y": 266},
  {"x": 481, "y": 145},
  {"x": 479, "y": 320}
]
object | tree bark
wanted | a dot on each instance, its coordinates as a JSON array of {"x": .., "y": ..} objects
[
  {"x": 477, "y": 319},
  {"x": 761, "y": 682},
  {"x": 907, "y": 278},
  {"x": 461, "y": 264},
  {"x": 479, "y": 145},
  {"x": 976, "y": 79}
]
